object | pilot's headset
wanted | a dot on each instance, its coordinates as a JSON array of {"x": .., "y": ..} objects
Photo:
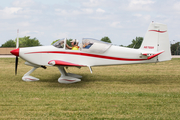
[{"x": 75, "y": 42}]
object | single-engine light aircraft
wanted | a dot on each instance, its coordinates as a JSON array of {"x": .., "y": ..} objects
[{"x": 154, "y": 48}]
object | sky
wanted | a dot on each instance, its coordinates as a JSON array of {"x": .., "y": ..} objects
[{"x": 120, "y": 20}]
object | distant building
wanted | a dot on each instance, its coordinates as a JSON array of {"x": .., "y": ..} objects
[{"x": 6, "y": 50}]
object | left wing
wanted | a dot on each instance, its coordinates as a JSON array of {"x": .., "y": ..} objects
[{"x": 62, "y": 63}]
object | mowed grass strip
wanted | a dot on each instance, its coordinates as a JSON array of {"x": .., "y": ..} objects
[{"x": 141, "y": 91}]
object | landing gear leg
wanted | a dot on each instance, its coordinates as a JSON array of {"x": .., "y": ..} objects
[
  {"x": 29, "y": 78},
  {"x": 67, "y": 77}
]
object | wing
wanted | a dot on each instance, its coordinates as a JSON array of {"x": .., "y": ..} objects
[{"x": 63, "y": 63}]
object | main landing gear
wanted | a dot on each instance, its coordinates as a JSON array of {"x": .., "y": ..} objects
[
  {"x": 64, "y": 78},
  {"x": 68, "y": 77}
]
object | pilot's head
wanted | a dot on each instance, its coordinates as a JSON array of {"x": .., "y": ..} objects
[{"x": 74, "y": 42}]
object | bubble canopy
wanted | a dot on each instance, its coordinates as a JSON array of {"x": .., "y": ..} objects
[
  {"x": 88, "y": 45},
  {"x": 94, "y": 46}
]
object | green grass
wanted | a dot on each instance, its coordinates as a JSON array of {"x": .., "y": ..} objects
[{"x": 143, "y": 91}]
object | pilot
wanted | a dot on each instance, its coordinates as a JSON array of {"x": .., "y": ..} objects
[
  {"x": 87, "y": 45},
  {"x": 74, "y": 44}
]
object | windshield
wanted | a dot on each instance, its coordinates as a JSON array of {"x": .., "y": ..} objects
[
  {"x": 59, "y": 44},
  {"x": 88, "y": 45}
]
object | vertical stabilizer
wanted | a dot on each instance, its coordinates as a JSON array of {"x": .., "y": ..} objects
[{"x": 157, "y": 39}]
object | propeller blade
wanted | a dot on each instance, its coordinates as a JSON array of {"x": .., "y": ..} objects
[
  {"x": 17, "y": 46},
  {"x": 17, "y": 42},
  {"x": 16, "y": 65}
]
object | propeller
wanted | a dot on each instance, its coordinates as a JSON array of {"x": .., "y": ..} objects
[
  {"x": 16, "y": 65},
  {"x": 17, "y": 46},
  {"x": 16, "y": 52}
]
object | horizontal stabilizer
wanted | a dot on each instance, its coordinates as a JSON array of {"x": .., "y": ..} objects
[
  {"x": 152, "y": 55},
  {"x": 62, "y": 63}
]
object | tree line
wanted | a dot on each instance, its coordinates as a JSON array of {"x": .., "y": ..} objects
[
  {"x": 23, "y": 42},
  {"x": 30, "y": 42},
  {"x": 136, "y": 43}
]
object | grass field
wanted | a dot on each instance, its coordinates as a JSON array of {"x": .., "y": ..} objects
[{"x": 143, "y": 91}]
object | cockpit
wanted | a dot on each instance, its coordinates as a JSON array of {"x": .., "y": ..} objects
[
  {"x": 59, "y": 44},
  {"x": 88, "y": 45}
]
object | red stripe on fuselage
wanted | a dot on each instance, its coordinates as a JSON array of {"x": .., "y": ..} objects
[{"x": 88, "y": 55}]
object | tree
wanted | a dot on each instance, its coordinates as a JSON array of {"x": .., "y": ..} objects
[
  {"x": 106, "y": 39},
  {"x": 23, "y": 42},
  {"x": 136, "y": 43},
  {"x": 55, "y": 41},
  {"x": 27, "y": 42},
  {"x": 69, "y": 41},
  {"x": 9, "y": 43},
  {"x": 175, "y": 48}
]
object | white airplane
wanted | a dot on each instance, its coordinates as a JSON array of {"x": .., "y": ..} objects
[{"x": 154, "y": 48}]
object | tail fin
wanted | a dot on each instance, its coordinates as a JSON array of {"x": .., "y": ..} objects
[{"x": 156, "y": 39}]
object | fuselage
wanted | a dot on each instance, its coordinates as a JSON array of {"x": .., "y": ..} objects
[{"x": 114, "y": 55}]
